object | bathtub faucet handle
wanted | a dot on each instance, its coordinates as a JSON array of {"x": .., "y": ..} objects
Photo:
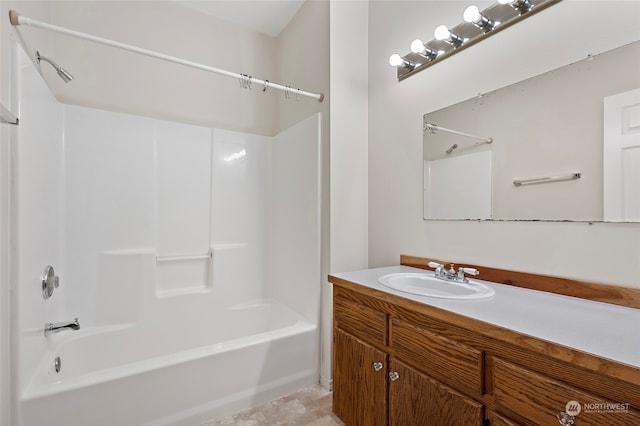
[{"x": 59, "y": 326}]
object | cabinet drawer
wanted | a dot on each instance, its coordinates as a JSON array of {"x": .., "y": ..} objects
[
  {"x": 451, "y": 362},
  {"x": 361, "y": 321},
  {"x": 539, "y": 398}
]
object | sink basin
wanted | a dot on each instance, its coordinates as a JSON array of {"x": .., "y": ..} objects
[{"x": 428, "y": 285}]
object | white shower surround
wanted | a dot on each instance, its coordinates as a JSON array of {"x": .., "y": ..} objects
[{"x": 103, "y": 196}]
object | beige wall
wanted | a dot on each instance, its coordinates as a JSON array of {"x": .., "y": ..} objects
[
  {"x": 565, "y": 33},
  {"x": 117, "y": 80}
]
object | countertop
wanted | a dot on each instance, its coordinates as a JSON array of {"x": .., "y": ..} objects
[{"x": 602, "y": 329}]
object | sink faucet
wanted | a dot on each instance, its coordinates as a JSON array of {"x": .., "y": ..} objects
[
  {"x": 451, "y": 274},
  {"x": 65, "y": 325}
]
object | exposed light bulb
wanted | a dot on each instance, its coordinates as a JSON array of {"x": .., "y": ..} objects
[
  {"x": 471, "y": 14},
  {"x": 442, "y": 32},
  {"x": 417, "y": 46},
  {"x": 395, "y": 60}
]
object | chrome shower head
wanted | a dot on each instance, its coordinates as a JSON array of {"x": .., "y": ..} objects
[{"x": 64, "y": 74}]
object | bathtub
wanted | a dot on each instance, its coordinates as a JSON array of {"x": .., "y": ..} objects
[{"x": 130, "y": 375}]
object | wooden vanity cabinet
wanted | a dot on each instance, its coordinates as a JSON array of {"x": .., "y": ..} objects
[
  {"x": 401, "y": 363},
  {"x": 371, "y": 387}
]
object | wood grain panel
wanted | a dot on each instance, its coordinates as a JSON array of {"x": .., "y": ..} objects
[
  {"x": 417, "y": 400},
  {"x": 359, "y": 320},
  {"x": 623, "y": 296},
  {"x": 537, "y": 399},
  {"x": 447, "y": 360},
  {"x": 498, "y": 420},
  {"x": 409, "y": 397},
  {"x": 359, "y": 392}
]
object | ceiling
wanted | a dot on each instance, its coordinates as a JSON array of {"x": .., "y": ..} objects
[{"x": 265, "y": 16}]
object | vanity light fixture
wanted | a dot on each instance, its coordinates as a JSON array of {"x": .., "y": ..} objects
[
  {"x": 418, "y": 46},
  {"x": 396, "y": 60},
  {"x": 473, "y": 16},
  {"x": 476, "y": 26},
  {"x": 521, "y": 6},
  {"x": 444, "y": 34}
]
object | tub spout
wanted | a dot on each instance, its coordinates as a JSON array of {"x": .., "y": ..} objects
[{"x": 65, "y": 325}]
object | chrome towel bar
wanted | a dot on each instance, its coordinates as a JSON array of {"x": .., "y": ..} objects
[{"x": 547, "y": 179}]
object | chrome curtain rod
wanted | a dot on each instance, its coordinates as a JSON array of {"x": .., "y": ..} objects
[
  {"x": 433, "y": 128},
  {"x": 17, "y": 19}
]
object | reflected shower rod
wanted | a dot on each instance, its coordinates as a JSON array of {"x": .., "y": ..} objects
[
  {"x": 433, "y": 128},
  {"x": 17, "y": 19}
]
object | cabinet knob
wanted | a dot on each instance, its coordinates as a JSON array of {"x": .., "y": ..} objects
[
  {"x": 377, "y": 366},
  {"x": 564, "y": 418},
  {"x": 394, "y": 376}
]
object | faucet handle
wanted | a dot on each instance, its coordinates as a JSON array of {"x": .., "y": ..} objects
[
  {"x": 434, "y": 265},
  {"x": 469, "y": 271}
]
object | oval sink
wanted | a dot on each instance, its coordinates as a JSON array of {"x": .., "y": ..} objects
[{"x": 428, "y": 285}]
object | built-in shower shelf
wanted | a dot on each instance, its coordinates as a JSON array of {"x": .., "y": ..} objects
[{"x": 183, "y": 274}]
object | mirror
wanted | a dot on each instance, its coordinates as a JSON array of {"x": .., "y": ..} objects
[{"x": 541, "y": 149}]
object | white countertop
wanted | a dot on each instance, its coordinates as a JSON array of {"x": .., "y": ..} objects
[{"x": 606, "y": 330}]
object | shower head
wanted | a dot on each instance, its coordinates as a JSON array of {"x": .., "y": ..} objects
[{"x": 64, "y": 74}]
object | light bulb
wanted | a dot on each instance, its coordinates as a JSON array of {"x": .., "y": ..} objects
[
  {"x": 471, "y": 14},
  {"x": 442, "y": 32},
  {"x": 395, "y": 60},
  {"x": 417, "y": 46}
]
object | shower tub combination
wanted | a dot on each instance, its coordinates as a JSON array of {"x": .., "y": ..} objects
[
  {"x": 132, "y": 376},
  {"x": 190, "y": 256}
]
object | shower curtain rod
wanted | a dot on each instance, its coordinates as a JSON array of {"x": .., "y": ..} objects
[
  {"x": 434, "y": 127},
  {"x": 17, "y": 19}
]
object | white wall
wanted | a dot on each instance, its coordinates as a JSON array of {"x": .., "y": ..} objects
[
  {"x": 36, "y": 210},
  {"x": 349, "y": 152},
  {"x": 9, "y": 49},
  {"x": 564, "y": 33},
  {"x": 294, "y": 224}
]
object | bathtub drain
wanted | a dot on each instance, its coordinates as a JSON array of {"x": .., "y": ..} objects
[{"x": 57, "y": 364}]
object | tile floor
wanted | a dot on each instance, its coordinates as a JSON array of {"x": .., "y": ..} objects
[{"x": 310, "y": 406}]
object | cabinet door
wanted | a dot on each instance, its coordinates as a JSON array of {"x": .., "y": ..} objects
[
  {"x": 359, "y": 381},
  {"x": 415, "y": 399}
]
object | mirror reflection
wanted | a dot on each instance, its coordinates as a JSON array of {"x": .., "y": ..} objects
[{"x": 563, "y": 145}]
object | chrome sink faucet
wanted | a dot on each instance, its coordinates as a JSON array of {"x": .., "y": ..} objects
[
  {"x": 451, "y": 274},
  {"x": 59, "y": 326}
]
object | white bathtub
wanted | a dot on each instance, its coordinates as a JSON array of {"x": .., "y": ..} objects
[{"x": 131, "y": 375}]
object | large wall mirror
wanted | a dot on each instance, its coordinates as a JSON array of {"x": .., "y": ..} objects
[{"x": 561, "y": 146}]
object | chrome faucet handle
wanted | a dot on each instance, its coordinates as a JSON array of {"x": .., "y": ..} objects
[
  {"x": 460, "y": 276},
  {"x": 438, "y": 268},
  {"x": 469, "y": 271}
]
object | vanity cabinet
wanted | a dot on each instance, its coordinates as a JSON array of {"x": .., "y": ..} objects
[
  {"x": 372, "y": 388},
  {"x": 401, "y": 363}
]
